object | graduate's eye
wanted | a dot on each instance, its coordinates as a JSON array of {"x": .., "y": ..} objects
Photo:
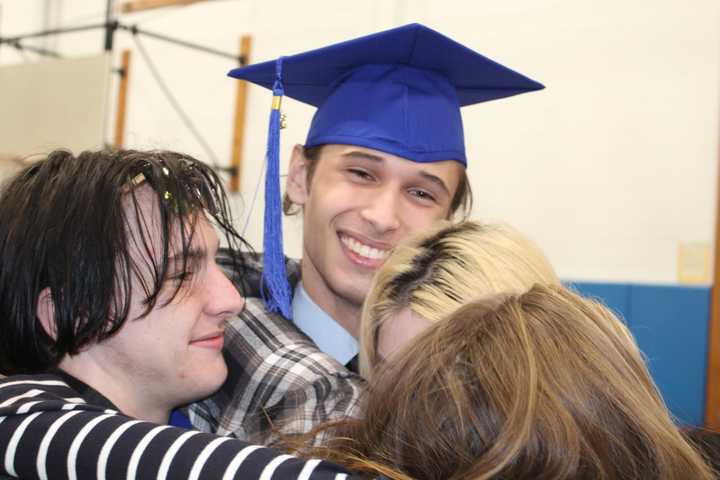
[
  {"x": 423, "y": 195},
  {"x": 360, "y": 174}
]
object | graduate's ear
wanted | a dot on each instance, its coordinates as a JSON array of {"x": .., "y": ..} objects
[
  {"x": 296, "y": 183},
  {"x": 46, "y": 312}
]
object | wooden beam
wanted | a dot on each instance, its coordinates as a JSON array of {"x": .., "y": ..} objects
[
  {"x": 239, "y": 124},
  {"x": 139, "y": 5},
  {"x": 120, "y": 113},
  {"x": 712, "y": 382}
]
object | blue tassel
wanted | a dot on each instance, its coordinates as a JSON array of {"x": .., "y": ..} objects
[{"x": 276, "y": 289}]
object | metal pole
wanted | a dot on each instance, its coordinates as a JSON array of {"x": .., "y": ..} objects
[
  {"x": 110, "y": 26},
  {"x": 54, "y": 31},
  {"x": 39, "y": 50},
  {"x": 194, "y": 46}
]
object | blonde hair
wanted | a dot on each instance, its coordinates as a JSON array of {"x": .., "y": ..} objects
[
  {"x": 544, "y": 385},
  {"x": 436, "y": 273}
]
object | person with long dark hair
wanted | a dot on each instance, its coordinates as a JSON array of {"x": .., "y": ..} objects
[{"x": 113, "y": 312}]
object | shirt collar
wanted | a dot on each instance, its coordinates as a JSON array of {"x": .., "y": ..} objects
[
  {"x": 88, "y": 393},
  {"x": 329, "y": 335}
]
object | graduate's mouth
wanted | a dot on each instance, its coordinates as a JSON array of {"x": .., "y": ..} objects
[{"x": 361, "y": 253}]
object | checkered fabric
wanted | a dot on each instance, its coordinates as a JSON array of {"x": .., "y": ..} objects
[{"x": 279, "y": 382}]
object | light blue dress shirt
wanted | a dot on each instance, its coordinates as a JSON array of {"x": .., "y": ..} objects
[{"x": 329, "y": 335}]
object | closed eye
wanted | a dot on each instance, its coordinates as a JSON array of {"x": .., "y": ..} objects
[{"x": 181, "y": 276}]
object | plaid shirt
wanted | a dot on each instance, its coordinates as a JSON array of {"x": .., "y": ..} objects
[{"x": 279, "y": 382}]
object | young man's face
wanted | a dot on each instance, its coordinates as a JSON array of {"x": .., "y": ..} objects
[
  {"x": 359, "y": 204},
  {"x": 173, "y": 355}
]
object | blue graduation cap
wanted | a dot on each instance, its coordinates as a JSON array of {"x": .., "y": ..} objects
[{"x": 397, "y": 91}]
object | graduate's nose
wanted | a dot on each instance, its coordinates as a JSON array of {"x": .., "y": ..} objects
[{"x": 382, "y": 210}]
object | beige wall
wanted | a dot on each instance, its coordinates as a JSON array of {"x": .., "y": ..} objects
[{"x": 53, "y": 104}]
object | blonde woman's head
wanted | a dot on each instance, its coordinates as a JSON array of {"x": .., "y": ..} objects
[
  {"x": 429, "y": 276},
  {"x": 542, "y": 385}
]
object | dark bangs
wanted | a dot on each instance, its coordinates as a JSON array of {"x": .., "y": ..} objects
[{"x": 64, "y": 227}]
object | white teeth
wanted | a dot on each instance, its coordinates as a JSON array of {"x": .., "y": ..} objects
[{"x": 364, "y": 250}]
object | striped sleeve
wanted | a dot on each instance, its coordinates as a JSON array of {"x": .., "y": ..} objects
[{"x": 47, "y": 432}]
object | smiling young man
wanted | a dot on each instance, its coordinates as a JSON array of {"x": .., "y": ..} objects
[
  {"x": 357, "y": 205},
  {"x": 114, "y": 311},
  {"x": 384, "y": 158}
]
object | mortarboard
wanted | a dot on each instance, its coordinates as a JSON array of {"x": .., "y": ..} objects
[{"x": 397, "y": 91}]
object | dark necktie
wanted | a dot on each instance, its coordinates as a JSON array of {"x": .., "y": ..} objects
[{"x": 352, "y": 365}]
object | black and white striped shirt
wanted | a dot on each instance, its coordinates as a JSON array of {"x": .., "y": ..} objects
[{"x": 54, "y": 427}]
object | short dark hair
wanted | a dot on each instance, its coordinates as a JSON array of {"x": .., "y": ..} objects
[
  {"x": 461, "y": 203},
  {"x": 64, "y": 226}
]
